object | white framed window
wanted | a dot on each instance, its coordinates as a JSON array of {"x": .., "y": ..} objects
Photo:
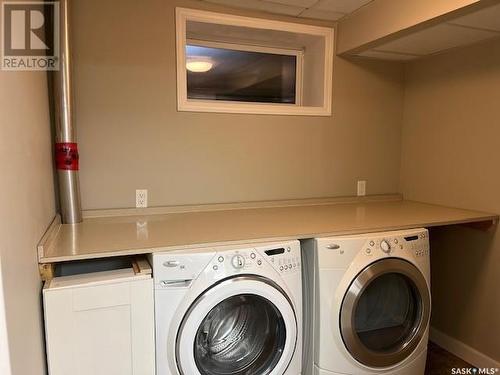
[
  {"x": 235, "y": 64},
  {"x": 249, "y": 73}
]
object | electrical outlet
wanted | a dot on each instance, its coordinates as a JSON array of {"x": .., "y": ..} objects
[
  {"x": 361, "y": 188},
  {"x": 141, "y": 198}
]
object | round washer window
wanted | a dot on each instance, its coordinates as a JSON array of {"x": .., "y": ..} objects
[
  {"x": 387, "y": 313},
  {"x": 242, "y": 335}
]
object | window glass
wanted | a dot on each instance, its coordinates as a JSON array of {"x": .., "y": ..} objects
[
  {"x": 243, "y": 335},
  {"x": 388, "y": 312},
  {"x": 244, "y": 76}
]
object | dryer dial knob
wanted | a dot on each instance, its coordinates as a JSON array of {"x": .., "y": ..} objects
[
  {"x": 385, "y": 246},
  {"x": 238, "y": 261}
]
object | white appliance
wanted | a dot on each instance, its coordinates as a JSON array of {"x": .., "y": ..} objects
[
  {"x": 100, "y": 323},
  {"x": 369, "y": 303},
  {"x": 229, "y": 310}
]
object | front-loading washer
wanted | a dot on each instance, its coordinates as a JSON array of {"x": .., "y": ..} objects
[
  {"x": 369, "y": 304},
  {"x": 229, "y": 310}
]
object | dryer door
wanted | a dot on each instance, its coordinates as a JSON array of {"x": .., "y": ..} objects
[
  {"x": 385, "y": 312},
  {"x": 242, "y": 325}
]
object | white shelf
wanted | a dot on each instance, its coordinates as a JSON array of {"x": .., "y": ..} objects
[{"x": 109, "y": 236}]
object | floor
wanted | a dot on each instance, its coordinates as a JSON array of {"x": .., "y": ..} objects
[{"x": 441, "y": 362}]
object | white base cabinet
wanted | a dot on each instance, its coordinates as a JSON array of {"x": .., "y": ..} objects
[{"x": 100, "y": 323}]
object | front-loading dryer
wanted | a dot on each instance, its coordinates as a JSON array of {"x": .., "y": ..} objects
[
  {"x": 369, "y": 304},
  {"x": 229, "y": 310}
]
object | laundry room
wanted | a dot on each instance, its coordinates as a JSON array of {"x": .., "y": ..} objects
[{"x": 249, "y": 187}]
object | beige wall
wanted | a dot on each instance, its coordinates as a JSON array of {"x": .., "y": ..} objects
[
  {"x": 450, "y": 156},
  {"x": 4, "y": 340},
  {"x": 27, "y": 207},
  {"x": 131, "y": 135}
]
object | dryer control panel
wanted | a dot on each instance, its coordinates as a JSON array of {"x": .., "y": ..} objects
[
  {"x": 392, "y": 243},
  {"x": 341, "y": 251}
]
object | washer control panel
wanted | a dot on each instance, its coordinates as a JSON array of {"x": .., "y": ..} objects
[
  {"x": 175, "y": 269},
  {"x": 178, "y": 269},
  {"x": 243, "y": 260},
  {"x": 284, "y": 259}
]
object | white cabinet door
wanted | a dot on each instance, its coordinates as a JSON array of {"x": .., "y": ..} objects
[{"x": 100, "y": 324}]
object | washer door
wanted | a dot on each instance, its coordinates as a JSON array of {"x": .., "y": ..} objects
[
  {"x": 243, "y": 325},
  {"x": 385, "y": 312}
]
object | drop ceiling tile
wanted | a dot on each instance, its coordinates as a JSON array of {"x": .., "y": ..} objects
[
  {"x": 487, "y": 18},
  {"x": 435, "y": 39},
  {"x": 289, "y": 10},
  {"x": 295, "y": 3},
  {"x": 339, "y": 6},
  {"x": 382, "y": 55},
  {"x": 321, "y": 14},
  {"x": 264, "y": 6},
  {"x": 248, "y": 4}
]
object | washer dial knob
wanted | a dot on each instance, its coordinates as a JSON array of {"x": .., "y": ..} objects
[
  {"x": 385, "y": 246},
  {"x": 238, "y": 261}
]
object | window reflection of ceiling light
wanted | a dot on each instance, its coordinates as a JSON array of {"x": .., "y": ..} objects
[{"x": 199, "y": 65}]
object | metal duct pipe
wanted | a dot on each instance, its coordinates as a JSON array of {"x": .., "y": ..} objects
[{"x": 66, "y": 149}]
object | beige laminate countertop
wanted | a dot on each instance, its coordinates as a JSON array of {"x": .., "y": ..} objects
[{"x": 137, "y": 234}]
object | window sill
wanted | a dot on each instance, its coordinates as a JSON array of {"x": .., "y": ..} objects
[{"x": 194, "y": 105}]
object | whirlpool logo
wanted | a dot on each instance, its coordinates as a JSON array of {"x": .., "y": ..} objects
[
  {"x": 30, "y": 35},
  {"x": 475, "y": 371}
]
